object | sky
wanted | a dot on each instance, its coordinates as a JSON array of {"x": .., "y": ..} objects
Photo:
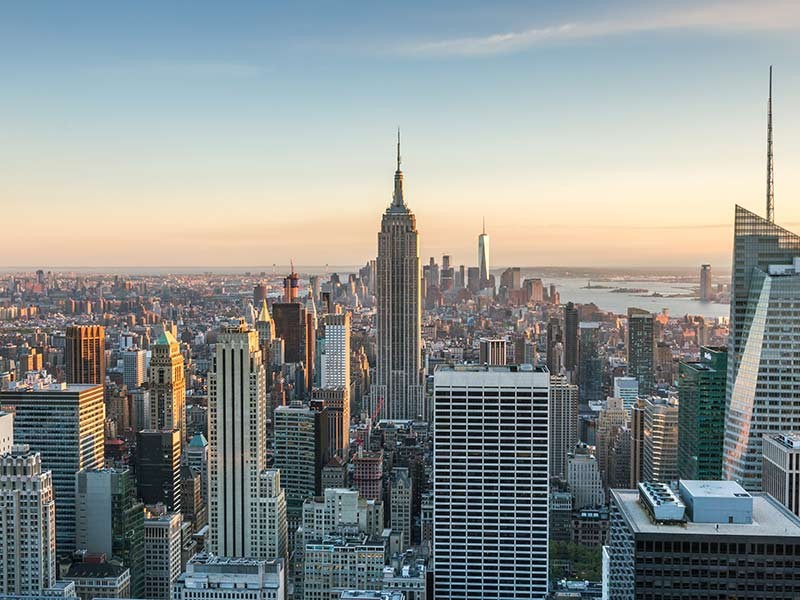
[{"x": 252, "y": 133}]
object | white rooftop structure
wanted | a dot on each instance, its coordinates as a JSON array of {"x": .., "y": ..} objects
[{"x": 661, "y": 502}]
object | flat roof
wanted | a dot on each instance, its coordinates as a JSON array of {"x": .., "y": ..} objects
[
  {"x": 770, "y": 518},
  {"x": 714, "y": 489}
]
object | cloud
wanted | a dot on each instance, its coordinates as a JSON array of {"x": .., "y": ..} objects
[
  {"x": 742, "y": 15},
  {"x": 190, "y": 69}
]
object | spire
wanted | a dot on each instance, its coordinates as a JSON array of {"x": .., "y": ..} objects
[
  {"x": 484, "y": 226},
  {"x": 770, "y": 174},
  {"x": 397, "y": 198}
]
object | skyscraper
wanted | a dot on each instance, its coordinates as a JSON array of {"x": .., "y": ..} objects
[
  {"x": 398, "y": 391},
  {"x": 490, "y": 513},
  {"x": 701, "y": 414},
  {"x": 761, "y": 394},
  {"x": 336, "y": 360},
  {"x": 237, "y": 407},
  {"x": 555, "y": 346},
  {"x": 660, "y": 448},
  {"x": 641, "y": 349},
  {"x": 64, "y": 423},
  {"x": 590, "y": 366},
  {"x": 27, "y": 524},
  {"x": 158, "y": 467},
  {"x": 563, "y": 423},
  {"x": 85, "y": 354},
  {"x": 706, "y": 289},
  {"x": 133, "y": 368},
  {"x": 483, "y": 257},
  {"x": 167, "y": 386},
  {"x": 570, "y": 336}
]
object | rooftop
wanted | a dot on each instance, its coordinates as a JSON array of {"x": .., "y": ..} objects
[
  {"x": 714, "y": 489},
  {"x": 787, "y": 439},
  {"x": 770, "y": 518}
]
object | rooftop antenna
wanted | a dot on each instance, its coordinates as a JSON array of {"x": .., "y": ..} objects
[
  {"x": 770, "y": 174},
  {"x": 398, "y": 148}
]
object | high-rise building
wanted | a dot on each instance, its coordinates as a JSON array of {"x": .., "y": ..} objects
[
  {"x": 237, "y": 406},
  {"x": 85, "y": 354},
  {"x": 158, "y": 468},
  {"x": 781, "y": 468},
  {"x": 473, "y": 279},
  {"x": 273, "y": 537},
  {"x": 585, "y": 482},
  {"x": 500, "y": 549},
  {"x": 264, "y": 328},
  {"x": 290, "y": 326},
  {"x": 563, "y": 423},
  {"x": 626, "y": 388},
  {"x": 761, "y": 393},
  {"x": 493, "y": 352},
  {"x": 348, "y": 561},
  {"x": 167, "y": 386},
  {"x": 641, "y": 349},
  {"x": 570, "y": 336},
  {"x": 706, "y": 283},
  {"x": 400, "y": 496},
  {"x": 6, "y": 432},
  {"x": 368, "y": 474},
  {"x": 701, "y": 414},
  {"x": 398, "y": 392},
  {"x": 738, "y": 545},
  {"x": 162, "y": 555},
  {"x": 134, "y": 371},
  {"x": 336, "y": 360},
  {"x": 336, "y": 403},
  {"x": 64, "y": 423},
  {"x": 555, "y": 346},
  {"x": 484, "y": 248},
  {"x": 611, "y": 419},
  {"x": 210, "y": 577},
  {"x": 197, "y": 459},
  {"x": 590, "y": 362},
  {"x": 660, "y": 448},
  {"x": 110, "y": 520},
  {"x": 637, "y": 442},
  {"x": 27, "y": 524}
]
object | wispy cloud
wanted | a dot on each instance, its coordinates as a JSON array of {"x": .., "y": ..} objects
[
  {"x": 188, "y": 69},
  {"x": 742, "y": 15}
]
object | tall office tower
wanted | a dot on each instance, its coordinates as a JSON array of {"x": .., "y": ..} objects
[
  {"x": 461, "y": 277},
  {"x": 134, "y": 371},
  {"x": 641, "y": 349},
  {"x": 368, "y": 474},
  {"x": 158, "y": 467},
  {"x": 493, "y": 352},
  {"x": 447, "y": 280},
  {"x": 570, "y": 336},
  {"x": 473, "y": 279},
  {"x": 583, "y": 476},
  {"x": 701, "y": 414},
  {"x": 336, "y": 361},
  {"x": 780, "y": 468},
  {"x": 273, "y": 537},
  {"x": 706, "y": 284},
  {"x": 590, "y": 363},
  {"x": 611, "y": 419},
  {"x": 193, "y": 507},
  {"x": 197, "y": 458},
  {"x": 336, "y": 402},
  {"x": 555, "y": 346},
  {"x": 762, "y": 394},
  {"x": 483, "y": 257},
  {"x": 6, "y": 432},
  {"x": 400, "y": 496},
  {"x": 167, "y": 386},
  {"x": 259, "y": 294},
  {"x": 660, "y": 449},
  {"x": 64, "y": 423},
  {"x": 290, "y": 326},
  {"x": 619, "y": 459},
  {"x": 291, "y": 285},
  {"x": 162, "y": 551},
  {"x": 237, "y": 417},
  {"x": 210, "y": 577},
  {"x": 264, "y": 328},
  {"x": 637, "y": 442},
  {"x": 300, "y": 440},
  {"x": 27, "y": 524},
  {"x": 85, "y": 354},
  {"x": 398, "y": 391},
  {"x": 500, "y": 550},
  {"x": 110, "y": 520},
  {"x": 626, "y": 388},
  {"x": 738, "y": 545},
  {"x": 563, "y": 423}
]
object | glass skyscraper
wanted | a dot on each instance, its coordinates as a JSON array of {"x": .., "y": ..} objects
[
  {"x": 701, "y": 414},
  {"x": 641, "y": 348},
  {"x": 763, "y": 382}
]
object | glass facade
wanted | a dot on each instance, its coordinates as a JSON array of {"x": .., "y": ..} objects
[
  {"x": 763, "y": 391},
  {"x": 701, "y": 414}
]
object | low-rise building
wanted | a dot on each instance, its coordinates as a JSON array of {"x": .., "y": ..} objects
[{"x": 209, "y": 577}]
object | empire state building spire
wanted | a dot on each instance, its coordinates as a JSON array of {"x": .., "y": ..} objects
[{"x": 397, "y": 197}]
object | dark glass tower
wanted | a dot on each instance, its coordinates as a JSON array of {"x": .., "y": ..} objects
[
  {"x": 570, "y": 336},
  {"x": 641, "y": 349}
]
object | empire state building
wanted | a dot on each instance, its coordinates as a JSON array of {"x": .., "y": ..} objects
[{"x": 398, "y": 392}]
